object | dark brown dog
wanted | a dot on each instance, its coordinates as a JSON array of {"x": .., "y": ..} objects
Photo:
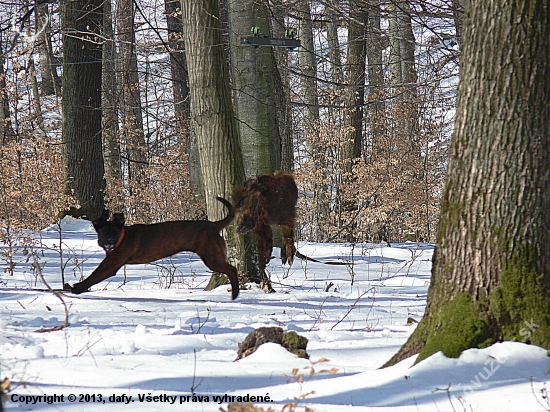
[
  {"x": 264, "y": 201},
  {"x": 147, "y": 243}
]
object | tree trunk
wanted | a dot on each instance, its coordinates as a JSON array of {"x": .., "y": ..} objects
[
  {"x": 130, "y": 107},
  {"x": 81, "y": 129},
  {"x": 109, "y": 105},
  {"x": 31, "y": 72},
  {"x": 350, "y": 149},
  {"x": 254, "y": 73},
  {"x": 307, "y": 61},
  {"x": 459, "y": 6},
  {"x": 355, "y": 93},
  {"x": 403, "y": 72},
  {"x": 334, "y": 51},
  {"x": 178, "y": 68},
  {"x": 6, "y": 130},
  {"x": 212, "y": 116},
  {"x": 491, "y": 267},
  {"x": 48, "y": 69},
  {"x": 376, "y": 114},
  {"x": 284, "y": 112}
]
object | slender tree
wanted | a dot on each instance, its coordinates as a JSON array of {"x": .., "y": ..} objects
[
  {"x": 350, "y": 149},
  {"x": 376, "y": 106},
  {"x": 307, "y": 61},
  {"x": 51, "y": 82},
  {"x": 178, "y": 68},
  {"x": 82, "y": 146},
  {"x": 109, "y": 106},
  {"x": 403, "y": 71},
  {"x": 278, "y": 15},
  {"x": 6, "y": 130},
  {"x": 491, "y": 267},
  {"x": 355, "y": 94},
  {"x": 458, "y": 7},
  {"x": 131, "y": 129}
]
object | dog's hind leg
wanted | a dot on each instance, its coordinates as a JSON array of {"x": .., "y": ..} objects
[{"x": 214, "y": 259}]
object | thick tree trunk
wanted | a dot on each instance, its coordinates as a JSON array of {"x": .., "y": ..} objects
[
  {"x": 491, "y": 266},
  {"x": 212, "y": 117},
  {"x": 254, "y": 73},
  {"x": 82, "y": 147}
]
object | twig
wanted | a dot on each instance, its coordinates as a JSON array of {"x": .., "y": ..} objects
[
  {"x": 351, "y": 308},
  {"x": 193, "y": 387},
  {"x": 38, "y": 269}
]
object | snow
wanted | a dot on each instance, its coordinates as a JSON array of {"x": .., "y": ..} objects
[{"x": 158, "y": 345}]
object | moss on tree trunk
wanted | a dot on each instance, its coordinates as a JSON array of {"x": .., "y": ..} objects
[{"x": 491, "y": 266}]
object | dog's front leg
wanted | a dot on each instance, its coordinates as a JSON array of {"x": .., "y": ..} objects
[
  {"x": 264, "y": 236},
  {"x": 107, "y": 268}
]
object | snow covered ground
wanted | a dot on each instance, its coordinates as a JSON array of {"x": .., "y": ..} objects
[{"x": 143, "y": 346}]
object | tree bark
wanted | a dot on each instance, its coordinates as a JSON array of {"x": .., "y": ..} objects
[
  {"x": 31, "y": 72},
  {"x": 81, "y": 129},
  {"x": 307, "y": 61},
  {"x": 491, "y": 267},
  {"x": 352, "y": 139},
  {"x": 403, "y": 72},
  {"x": 212, "y": 117},
  {"x": 376, "y": 109},
  {"x": 284, "y": 112},
  {"x": 6, "y": 130},
  {"x": 178, "y": 68},
  {"x": 355, "y": 94},
  {"x": 459, "y": 7},
  {"x": 50, "y": 79},
  {"x": 109, "y": 104},
  {"x": 131, "y": 130},
  {"x": 254, "y": 73}
]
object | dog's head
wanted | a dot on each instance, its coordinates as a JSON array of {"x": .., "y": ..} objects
[
  {"x": 109, "y": 232},
  {"x": 248, "y": 202}
]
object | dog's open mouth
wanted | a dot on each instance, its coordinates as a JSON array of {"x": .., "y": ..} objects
[
  {"x": 242, "y": 230},
  {"x": 109, "y": 248}
]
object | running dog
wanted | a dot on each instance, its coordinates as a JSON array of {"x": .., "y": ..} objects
[{"x": 147, "y": 243}]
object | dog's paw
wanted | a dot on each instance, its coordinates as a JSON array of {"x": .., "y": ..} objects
[{"x": 77, "y": 289}]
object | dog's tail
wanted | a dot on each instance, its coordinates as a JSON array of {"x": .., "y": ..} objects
[{"x": 229, "y": 218}]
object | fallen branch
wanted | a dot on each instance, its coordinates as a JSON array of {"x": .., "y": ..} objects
[{"x": 38, "y": 269}]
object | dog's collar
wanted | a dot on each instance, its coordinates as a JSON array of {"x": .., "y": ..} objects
[{"x": 122, "y": 234}]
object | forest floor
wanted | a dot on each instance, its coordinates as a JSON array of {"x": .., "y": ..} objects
[{"x": 145, "y": 346}]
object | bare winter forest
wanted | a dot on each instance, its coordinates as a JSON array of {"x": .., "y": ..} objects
[{"x": 117, "y": 104}]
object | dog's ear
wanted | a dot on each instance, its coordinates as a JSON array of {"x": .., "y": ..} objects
[
  {"x": 118, "y": 218},
  {"x": 261, "y": 185},
  {"x": 104, "y": 216},
  {"x": 238, "y": 196}
]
